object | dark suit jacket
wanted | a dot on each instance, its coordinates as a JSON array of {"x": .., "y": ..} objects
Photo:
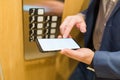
[{"x": 106, "y": 61}]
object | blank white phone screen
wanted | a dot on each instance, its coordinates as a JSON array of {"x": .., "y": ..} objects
[{"x": 57, "y": 44}]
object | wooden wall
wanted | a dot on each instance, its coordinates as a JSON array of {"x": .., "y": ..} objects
[{"x": 11, "y": 39}]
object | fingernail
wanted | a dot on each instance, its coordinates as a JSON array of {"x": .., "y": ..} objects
[
  {"x": 64, "y": 36},
  {"x": 83, "y": 30}
]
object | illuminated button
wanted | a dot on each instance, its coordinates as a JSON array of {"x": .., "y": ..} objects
[
  {"x": 53, "y": 24},
  {"x": 39, "y": 32},
  {"x": 54, "y": 18},
  {"x": 39, "y": 25},
  {"x": 40, "y": 11},
  {"x": 40, "y": 19},
  {"x": 40, "y": 37},
  {"x": 52, "y": 36},
  {"x": 53, "y": 30}
]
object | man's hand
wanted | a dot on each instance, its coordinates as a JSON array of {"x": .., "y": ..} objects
[
  {"x": 84, "y": 55},
  {"x": 69, "y": 22}
]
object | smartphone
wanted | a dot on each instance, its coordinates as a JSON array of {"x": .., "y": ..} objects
[{"x": 56, "y": 44}]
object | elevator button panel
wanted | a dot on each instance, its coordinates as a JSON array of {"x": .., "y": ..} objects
[{"x": 42, "y": 25}]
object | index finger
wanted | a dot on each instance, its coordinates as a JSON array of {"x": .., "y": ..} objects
[{"x": 64, "y": 25}]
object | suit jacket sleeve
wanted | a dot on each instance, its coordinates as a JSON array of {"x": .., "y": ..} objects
[{"x": 107, "y": 64}]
